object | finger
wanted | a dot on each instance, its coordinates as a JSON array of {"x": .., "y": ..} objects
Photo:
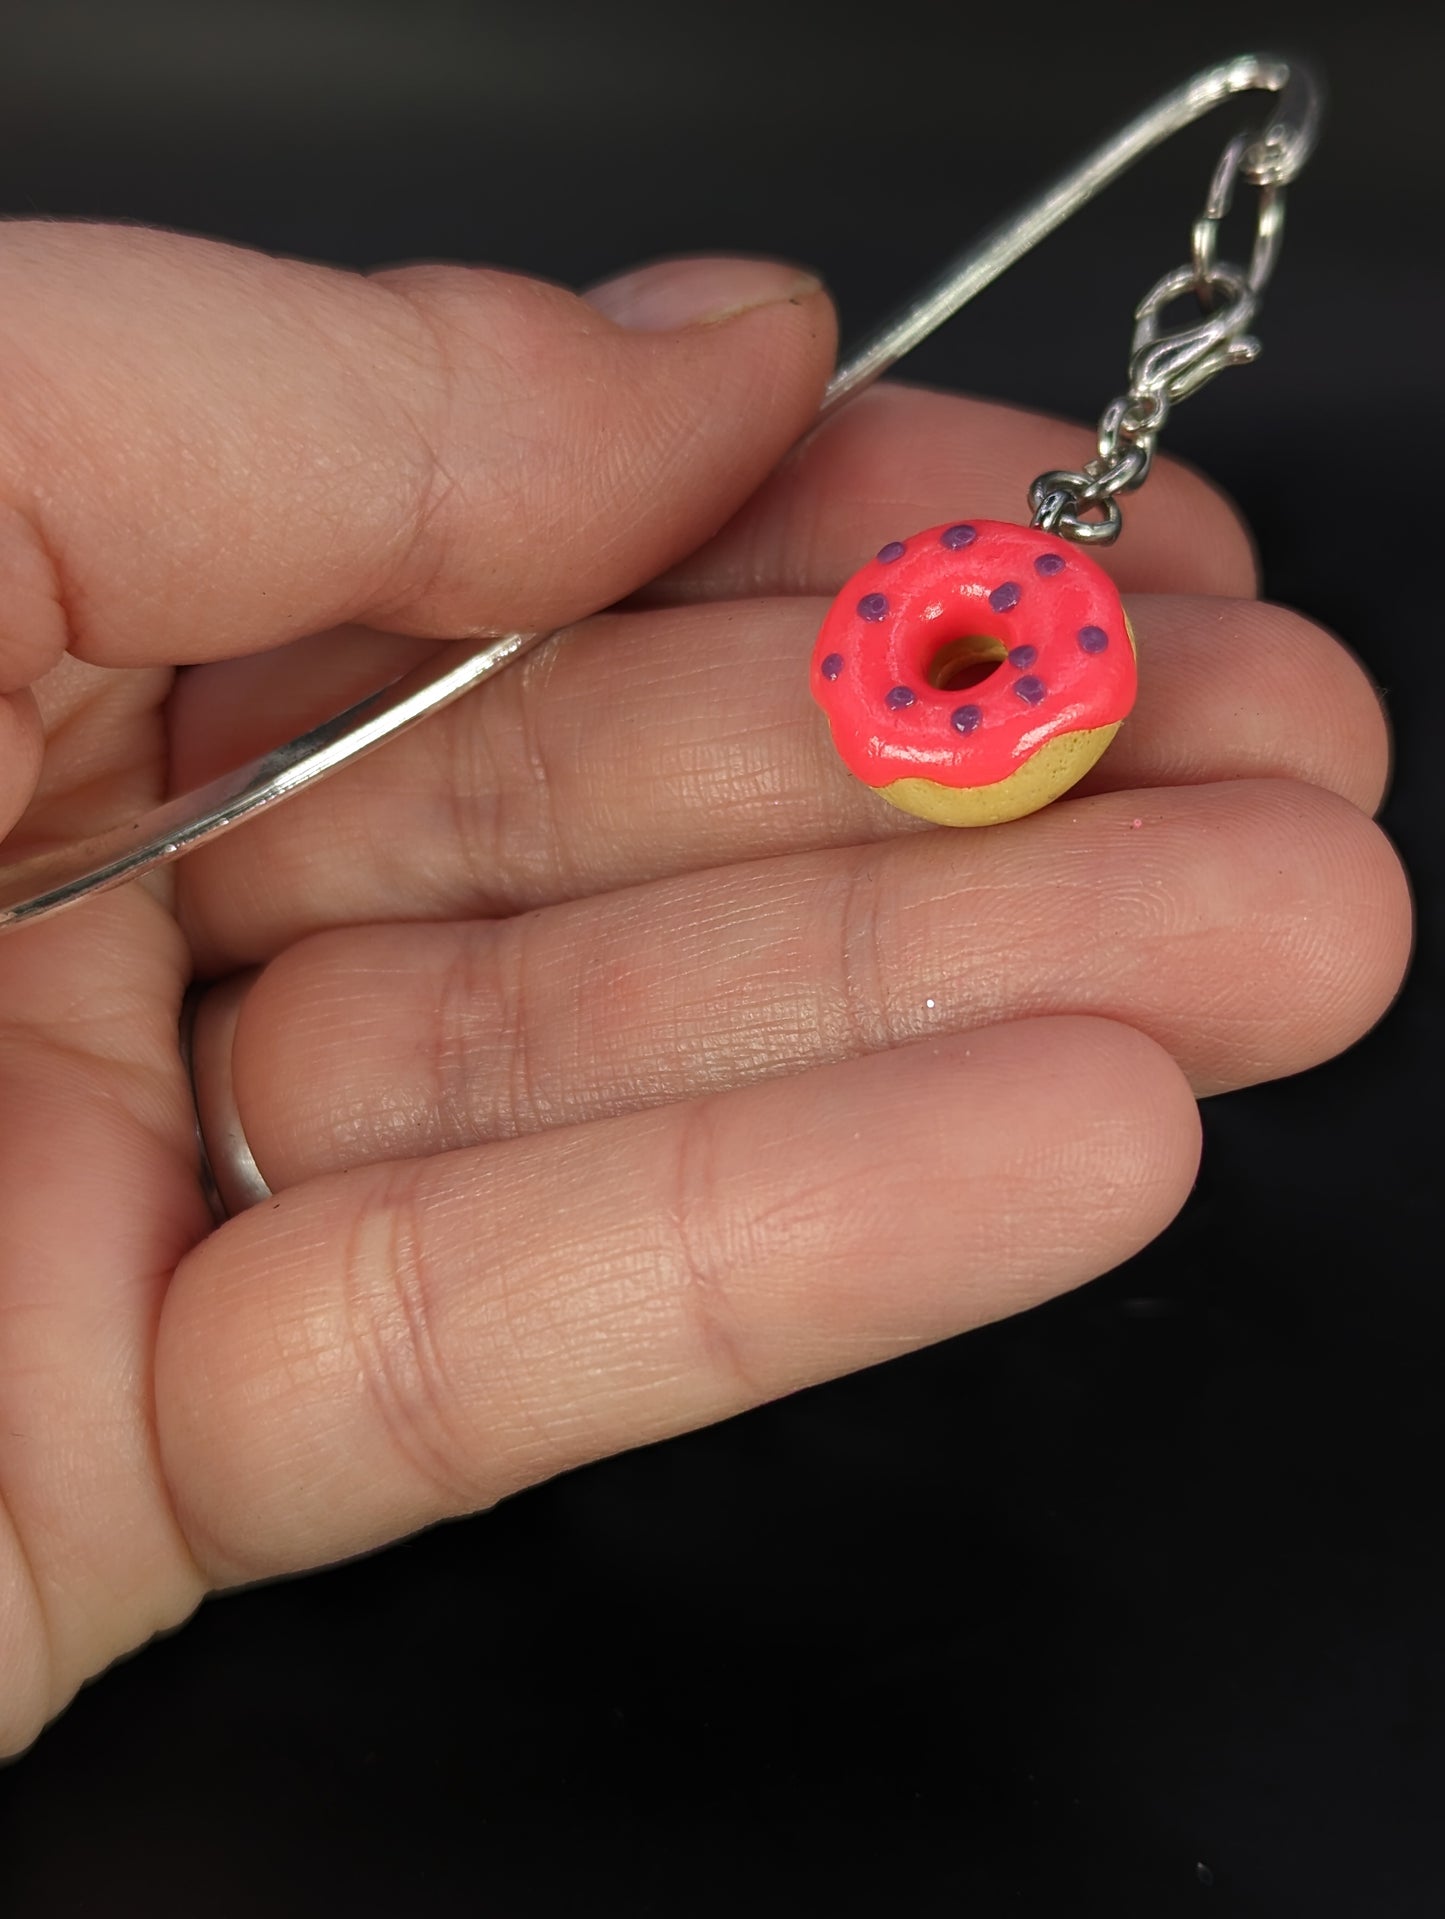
[
  {"x": 435, "y": 450},
  {"x": 21, "y": 747},
  {"x": 900, "y": 458},
  {"x": 374, "y": 1352},
  {"x": 649, "y": 744},
  {"x": 1251, "y": 929}
]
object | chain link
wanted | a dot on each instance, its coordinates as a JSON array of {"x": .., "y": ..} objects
[{"x": 1167, "y": 366}]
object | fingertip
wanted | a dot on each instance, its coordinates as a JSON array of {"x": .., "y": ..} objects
[
  {"x": 1354, "y": 939},
  {"x": 1245, "y": 689},
  {"x": 1124, "y": 1135},
  {"x": 1362, "y": 731},
  {"x": 1347, "y": 929},
  {"x": 1122, "y": 1154},
  {"x": 721, "y": 366},
  {"x": 1017, "y": 1160},
  {"x": 1343, "y": 722},
  {"x": 1293, "y": 942}
]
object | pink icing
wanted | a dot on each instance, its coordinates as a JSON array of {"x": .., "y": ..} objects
[{"x": 946, "y": 587}]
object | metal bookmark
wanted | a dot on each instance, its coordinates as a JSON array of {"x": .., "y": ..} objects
[{"x": 1164, "y": 368}]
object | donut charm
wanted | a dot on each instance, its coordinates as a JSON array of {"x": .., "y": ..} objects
[{"x": 972, "y": 673}]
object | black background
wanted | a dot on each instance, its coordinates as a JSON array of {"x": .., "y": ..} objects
[{"x": 1130, "y": 1607}]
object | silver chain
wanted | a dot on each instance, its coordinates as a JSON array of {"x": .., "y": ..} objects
[{"x": 1166, "y": 367}]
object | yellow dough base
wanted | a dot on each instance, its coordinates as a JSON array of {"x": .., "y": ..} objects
[{"x": 1052, "y": 770}]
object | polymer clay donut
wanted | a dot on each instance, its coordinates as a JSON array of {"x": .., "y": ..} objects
[{"x": 973, "y": 672}]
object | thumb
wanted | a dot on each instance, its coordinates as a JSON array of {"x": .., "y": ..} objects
[{"x": 208, "y": 452}]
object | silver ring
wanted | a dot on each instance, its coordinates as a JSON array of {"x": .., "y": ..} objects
[{"x": 229, "y": 1174}]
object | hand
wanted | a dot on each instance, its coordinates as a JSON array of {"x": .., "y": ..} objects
[{"x": 616, "y": 1061}]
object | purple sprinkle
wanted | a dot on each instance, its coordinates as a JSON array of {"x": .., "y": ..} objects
[
  {"x": 1022, "y": 656},
  {"x": 873, "y": 606},
  {"x": 1030, "y": 690},
  {"x": 1048, "y": 564},
  {"x": 899, "y": 696},
  {"x": 1093, "y": 639},
  {"x": 894, "y": 550},
  {"x": 1004, "y": 597},
  {"x": 832, "y": 666},
  {"x": 964, "y": 719},
  {"x": 953, "y": 537}
]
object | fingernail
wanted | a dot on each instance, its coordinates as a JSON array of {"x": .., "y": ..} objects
[{"x": 681, "y": 293}]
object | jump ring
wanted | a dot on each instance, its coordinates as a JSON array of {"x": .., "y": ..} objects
[{"x": 1067, "y": 521}]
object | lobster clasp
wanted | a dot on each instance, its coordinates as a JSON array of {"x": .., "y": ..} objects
[{"x": 1168, "y": 367}]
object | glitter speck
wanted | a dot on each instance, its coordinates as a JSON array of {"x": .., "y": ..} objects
[{"x": 930, "y": 1004}]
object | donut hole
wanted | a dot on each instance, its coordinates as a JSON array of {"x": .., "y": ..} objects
[{"x": 965, "y": 662}]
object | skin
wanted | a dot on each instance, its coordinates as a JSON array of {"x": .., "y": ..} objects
[{"x": 617, "y": 1062}]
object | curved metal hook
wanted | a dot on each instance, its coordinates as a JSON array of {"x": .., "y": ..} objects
[
  {"x": 49, "y": 882},
  {"x": 1274, "y": 158}
]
